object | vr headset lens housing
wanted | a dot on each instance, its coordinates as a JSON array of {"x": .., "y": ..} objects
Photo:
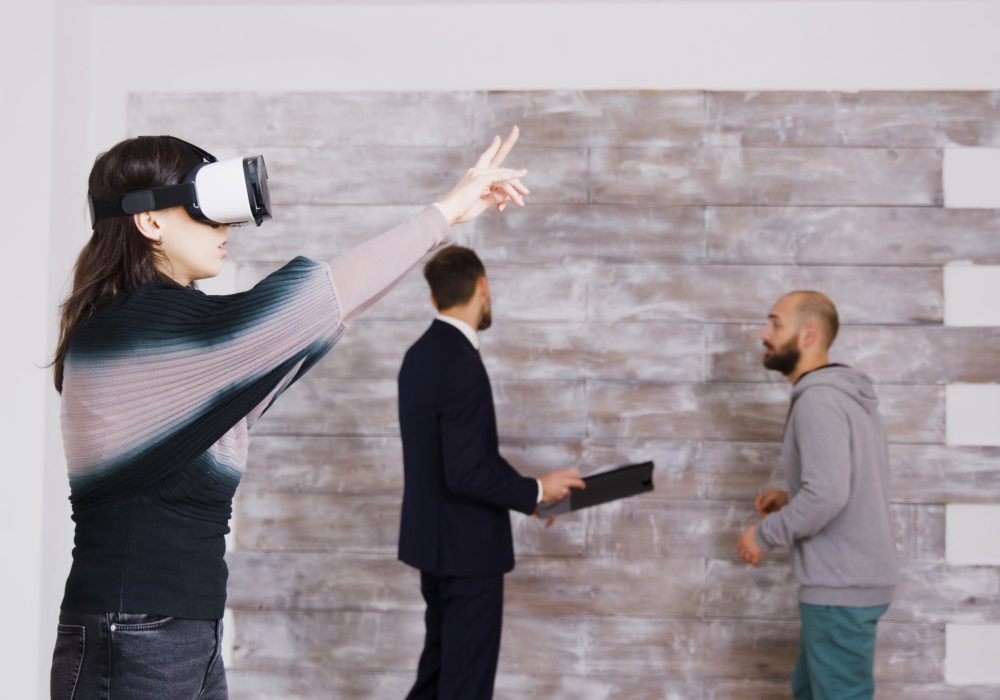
[{"x": 231, "y": 191}]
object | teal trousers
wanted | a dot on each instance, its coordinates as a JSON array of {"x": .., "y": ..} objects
[{"x": 836, "y": 653}]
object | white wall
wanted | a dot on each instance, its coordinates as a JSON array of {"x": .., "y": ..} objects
[
  {"x": 25, "y": 181},
  {"x": 101, "y": 51}
]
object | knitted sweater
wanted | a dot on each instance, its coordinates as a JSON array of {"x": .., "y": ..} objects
[{"x": 160, "y": 389}]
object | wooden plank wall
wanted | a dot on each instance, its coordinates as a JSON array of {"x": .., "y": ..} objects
[{"x": 662, "y": 226}]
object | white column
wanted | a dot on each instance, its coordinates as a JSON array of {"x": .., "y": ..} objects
[
  {"x": 26, "y": 121},
  {"x": 971, "y": 294}
]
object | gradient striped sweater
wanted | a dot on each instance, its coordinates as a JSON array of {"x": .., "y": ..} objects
[{"x": 160, "y": 389}]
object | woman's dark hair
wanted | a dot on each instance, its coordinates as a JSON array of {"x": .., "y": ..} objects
[
  {"x": 452, "y": 275},
  {"x": 118, "y": 258}
]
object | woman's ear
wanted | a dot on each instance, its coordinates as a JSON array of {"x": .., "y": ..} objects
[{"x": 149, "y": 225}]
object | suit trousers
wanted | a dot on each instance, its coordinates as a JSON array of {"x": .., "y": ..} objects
[{"x": 463, "y": 621}]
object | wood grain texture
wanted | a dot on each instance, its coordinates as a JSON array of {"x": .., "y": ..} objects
[
  {"x": 850, "y": 235},
  {"x": 731, "y": 293},
  {"x": 918, "y": 355},
  {"x": 627, "y": 298},
  {"x": 859, "y": 119},
  {"x": 766, "y": 176},
  {"x": 742, "y": 411}
]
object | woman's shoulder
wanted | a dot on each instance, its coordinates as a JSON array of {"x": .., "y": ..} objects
[{"x": 131, "y": 315}]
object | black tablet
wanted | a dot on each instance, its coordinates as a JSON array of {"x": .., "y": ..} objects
[{"x": 629, "y": 480}]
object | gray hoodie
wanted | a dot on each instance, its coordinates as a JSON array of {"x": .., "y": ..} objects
[{"x": 837, "y": 523}]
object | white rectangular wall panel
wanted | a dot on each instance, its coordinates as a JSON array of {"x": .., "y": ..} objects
[
  {"x": 972, "y": 294},
  {"x": 971, "y": 656},
  {"x": 972, "y": 414},
  {"x": 970, "y": 537},
  {"x": 972, "y": 178}
]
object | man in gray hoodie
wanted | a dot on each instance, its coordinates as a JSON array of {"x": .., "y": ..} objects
[{"x": 835, "y": 515}]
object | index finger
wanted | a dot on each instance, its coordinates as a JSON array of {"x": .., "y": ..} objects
[
  {"x": 487, "y": 156},
  {"x": 505, "y": 147}
]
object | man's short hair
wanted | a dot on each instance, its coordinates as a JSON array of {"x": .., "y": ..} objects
[
  {"x": 452, "y": 275},
  {"x": 817, "y": 307}
]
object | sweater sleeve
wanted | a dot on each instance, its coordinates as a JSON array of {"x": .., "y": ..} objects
[
  {"x": 367, "y": 273},
  {"x": 823, "y": 439},
  {"x": 157, "y": 377}
]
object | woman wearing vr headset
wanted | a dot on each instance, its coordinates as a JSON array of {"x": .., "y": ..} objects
[{"x": 160, "y": 384}]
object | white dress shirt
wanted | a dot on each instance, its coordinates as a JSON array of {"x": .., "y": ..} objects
[{"x": 473, "y": 337}]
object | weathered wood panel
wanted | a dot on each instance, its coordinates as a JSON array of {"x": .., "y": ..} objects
[
  {"x": 294, "y": 684},
  {"x": 538, "y": 586},
  {"x": 598, "y": 118},
  {"x": 368, "y": 525},
  {"x": 648, "y": 527},
  {"x": 851, "y": 235},
  {"x": 677, "y": 474},
  {"x": 752, "y": 649},
  {"x": 542, "y": 350},
  {"x": 889, "y": 354},
  {"x": 624, "y": 233},
  {"x": 372, "y": 465},
  {"x": 537, "y": 234},
  {"x": 766, "y": 176},
  {"x": 321, "y": 581},
  {"x": 853, "y": 119},
  {"x": 648, "y": 352},
  {"x": 519, "y": 292},
  {"x": 885, "y": 690},
  {"x": 925, "y": 474},
  {"x": 366, "y": 407},
  {"x": 320, "y": 232},
  {"x": 661, "y": 228},
  {"x": 741, "y": 411},
  {"x": 731, "y": 293},
  {"x": 643, "y": 528},
  {"x": 322, "y": 464},
  {"x": 349, "y": 683},
  {"x": 319, "y": 176},
  {"x": 921, "y": 473},
  {"x": 928, "y": 592},
  {"x": 942, "y": 474}
]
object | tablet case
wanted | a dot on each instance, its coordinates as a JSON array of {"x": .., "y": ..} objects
[{"x": 625, "y": 481}]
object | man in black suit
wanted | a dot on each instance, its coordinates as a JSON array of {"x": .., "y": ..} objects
[{"x": 455, "y": 525}]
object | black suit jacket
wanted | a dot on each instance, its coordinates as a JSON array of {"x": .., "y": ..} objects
[{"x": 458, "y": 489}]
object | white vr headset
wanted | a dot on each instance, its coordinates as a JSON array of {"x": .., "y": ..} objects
[{"x": 231, "y": 191}]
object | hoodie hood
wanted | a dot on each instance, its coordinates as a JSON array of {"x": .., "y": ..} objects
[{"x": 855, "y": 384}]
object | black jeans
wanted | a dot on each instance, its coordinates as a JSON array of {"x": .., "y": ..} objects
[{"x": 126, "y": 656}]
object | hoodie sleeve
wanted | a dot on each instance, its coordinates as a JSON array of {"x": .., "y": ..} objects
[{"x": 823, "y": 439}]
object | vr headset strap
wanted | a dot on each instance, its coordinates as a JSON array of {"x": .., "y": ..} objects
[{"x": 142, "y": 200}]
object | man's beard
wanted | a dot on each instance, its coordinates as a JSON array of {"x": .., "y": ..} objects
[
  {"x": 486, "y": 319},
  {"x": 784, "y": 359}
]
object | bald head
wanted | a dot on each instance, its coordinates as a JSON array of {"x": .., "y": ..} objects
[{"x": 815, "y": 307}]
